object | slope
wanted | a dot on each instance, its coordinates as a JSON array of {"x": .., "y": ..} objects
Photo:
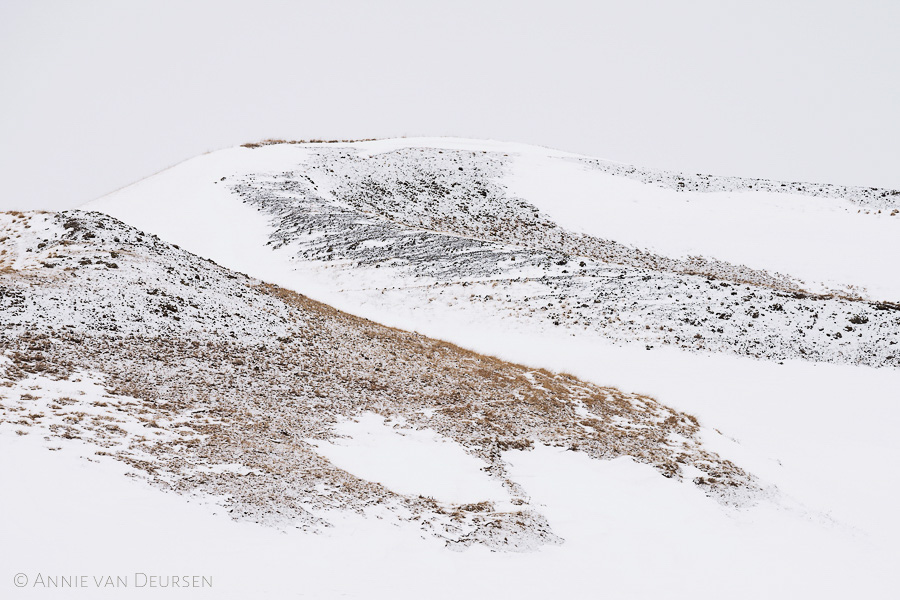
[
  {"x": 207, "y": 381},
  {"x": 259, "y": 403},
  {"x": 411, "y": 227}
]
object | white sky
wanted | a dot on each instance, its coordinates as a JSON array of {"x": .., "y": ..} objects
[{"x": 95, "y": 95}]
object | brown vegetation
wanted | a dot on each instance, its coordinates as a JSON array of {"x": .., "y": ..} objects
[
  {"x": 234, "y": 416},
  {"x": 272, "y": 142}
]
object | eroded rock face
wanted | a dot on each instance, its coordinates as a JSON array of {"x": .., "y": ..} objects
[
  {"x": 436, "y": 225},
  {"x": 207, "y": 381}
]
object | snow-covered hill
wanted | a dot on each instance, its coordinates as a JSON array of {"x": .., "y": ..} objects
[
  {"x": 727, "y": 428},
  {"x": 207, "y": 380},
  {"x": 546, "y": 241}
]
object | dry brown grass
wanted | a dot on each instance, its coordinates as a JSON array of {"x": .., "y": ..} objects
[
  {"x": 272, "y": 142},
  {"x": 255, "y": 402}
]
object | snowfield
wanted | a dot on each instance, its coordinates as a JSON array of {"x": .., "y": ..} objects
[
  {"x": 410, "y": 461},
  {"x": 414, "y": 228},
  {"x": 627, "y": 532},
  {"x": 661, "y": 385},
  {"x": 826, "y": 236}
]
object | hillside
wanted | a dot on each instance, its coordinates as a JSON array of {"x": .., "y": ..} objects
[
  {"x": 456, "y": 232},
  {"x": 206, "y": 380},
  {"x": 358, "y": 369}
]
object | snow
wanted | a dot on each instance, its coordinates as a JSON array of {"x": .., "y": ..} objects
[
  {"x": 381, "y": 146},
  {"x": 81, "y": 397},
  {"x": 211, "y": 221},
  {"x": 824, "y": 241},
  {"x": 820, "y": 432},
  {"x": 824, "y": 434},
  {"x": 820, "y": 240},
  {"x": 629, "y": 533},
  {"x": 410, "y": 461}
]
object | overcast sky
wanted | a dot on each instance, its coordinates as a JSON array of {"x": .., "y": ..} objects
[{"x": 96, "y": 95}]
